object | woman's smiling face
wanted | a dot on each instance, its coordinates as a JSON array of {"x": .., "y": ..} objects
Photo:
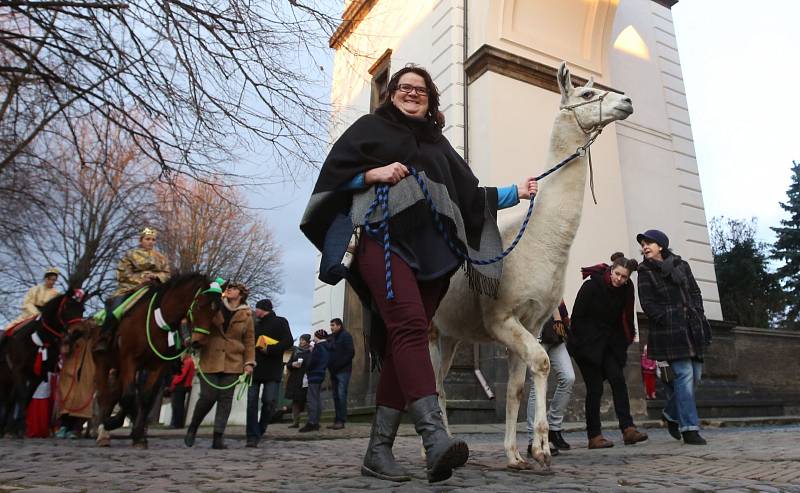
[{"x": 411, "y": 103}]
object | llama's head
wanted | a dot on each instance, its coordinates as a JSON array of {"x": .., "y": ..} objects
[{"x": 593, "y": 108}]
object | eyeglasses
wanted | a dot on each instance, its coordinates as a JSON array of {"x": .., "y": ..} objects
[{"x": 407, "y": 88}]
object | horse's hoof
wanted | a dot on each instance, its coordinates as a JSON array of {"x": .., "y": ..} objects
[
  {"x": 140, "y": 445},
  {"x": 103, "y": 442}
]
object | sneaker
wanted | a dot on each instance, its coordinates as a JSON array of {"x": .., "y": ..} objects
[
  {"x": 553, "y": 451},
  {"x": 294, "y": 425},
  {"x": 556, "y": 439},
  {"x": 631, "y": 435},
  {"x": 308, "y": 427},
  {"x": 693, "y": 438},
  {"x": 600, "y": 442},
  {"x": 672, "y": 428},
  {"x": 335, "y": 426},
  {"x": 62, "y": 432}
]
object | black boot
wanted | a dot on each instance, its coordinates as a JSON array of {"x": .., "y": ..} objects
[
  {"x": 693, "y": 438},
  {"x": 218, "y": 442},
  {"x": 191, "y": 433},
  {"x": 379, "y": 461},
  {"x": 442, "y": 452},
  {"x": 557, "y": 440}
]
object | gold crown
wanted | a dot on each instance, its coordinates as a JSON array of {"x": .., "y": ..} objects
[{"x": 148, "y": 232}]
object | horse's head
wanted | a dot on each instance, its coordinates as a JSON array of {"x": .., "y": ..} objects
[
  {"x": 64, "y": 310},
  {"x": 593, "y": 108},
  {"x": 205, "y": 314}
]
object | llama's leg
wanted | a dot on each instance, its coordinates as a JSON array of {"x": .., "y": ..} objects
[
  {"x": 523, "y": 349},
  {"x": 442, "y": 361}
]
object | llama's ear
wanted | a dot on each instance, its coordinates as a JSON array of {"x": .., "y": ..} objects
[
  {"x": 564, "y": 82},
  {"x": 591, "y": 82}
]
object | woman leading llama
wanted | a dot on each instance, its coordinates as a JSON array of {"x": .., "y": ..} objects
[{"x": 406, "y": 131}]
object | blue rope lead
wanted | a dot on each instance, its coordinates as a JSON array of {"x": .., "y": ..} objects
[{"x": 382, "y": 199}]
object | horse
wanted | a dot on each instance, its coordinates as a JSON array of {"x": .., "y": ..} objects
[
  {"x": 144, "y": 347},
  {"x": 28, "y": 351}
]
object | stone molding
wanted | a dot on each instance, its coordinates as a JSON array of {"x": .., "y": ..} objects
[
  {"x": 666, "y": 3},
  {"x": 356, "y": 12},
  {"x": 492, "y": 59}
]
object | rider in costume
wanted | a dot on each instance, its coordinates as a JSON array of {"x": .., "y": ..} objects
[
  {"x": 139, "y": 266},
  {"x": 39, "y": 295}
]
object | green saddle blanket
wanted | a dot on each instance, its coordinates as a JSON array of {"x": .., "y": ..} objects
[{"x": 122, "y": 308}]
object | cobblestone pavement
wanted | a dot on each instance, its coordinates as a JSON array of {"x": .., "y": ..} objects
[{"x": 765, "y": 458}]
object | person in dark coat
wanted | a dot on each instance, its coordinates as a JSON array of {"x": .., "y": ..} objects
[
  {"x": 320, "y": 358},
  {"x": 340, "y": 367},
  {"x": 297, "y": 381},
  {"x": 602, "y": 330},
  {"x": 272, "y": 338},
  {"x": 678, "y": 331}
]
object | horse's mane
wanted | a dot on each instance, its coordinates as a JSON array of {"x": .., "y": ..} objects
[
  {"x": 180, "y": 279},
  {"x": 49, "y": 309}
]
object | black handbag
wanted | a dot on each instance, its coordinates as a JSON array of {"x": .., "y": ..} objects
[
  {"x": 666, "y": 372},
  {"x": 338, "y": 250}
]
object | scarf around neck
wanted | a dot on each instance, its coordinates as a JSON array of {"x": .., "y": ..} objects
[
  {"x": 468, "y": 212},
  {"x": 604, "y": 270}
]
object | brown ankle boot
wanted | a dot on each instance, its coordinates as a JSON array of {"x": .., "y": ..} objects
[
  {"x": 631, "y": 435},
  {"x": 600, "y": 442}
]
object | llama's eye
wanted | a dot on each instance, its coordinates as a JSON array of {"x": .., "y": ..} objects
[{"x": 587, "y": 95}]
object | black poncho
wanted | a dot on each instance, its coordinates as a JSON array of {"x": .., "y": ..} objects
[{"x": 468, "y": 211}]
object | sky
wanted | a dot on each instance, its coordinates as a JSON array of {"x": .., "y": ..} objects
[{"x": 741, "y": 73}]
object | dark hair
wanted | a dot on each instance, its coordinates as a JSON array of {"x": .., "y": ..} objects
[
  {"x": 434, "y": 115},
  {"x": 243, "y": 291},
  {"x": 337, "y": 321},
  {"x": 618, "y": 260}
]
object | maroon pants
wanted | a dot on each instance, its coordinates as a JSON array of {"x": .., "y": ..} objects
[{"x": 407, "y": 372}]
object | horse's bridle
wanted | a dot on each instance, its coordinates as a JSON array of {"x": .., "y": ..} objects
[{"x": 63, "y": 323}]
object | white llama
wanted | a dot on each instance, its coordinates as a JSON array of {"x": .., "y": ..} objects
[{"x": 532, "y": 283}]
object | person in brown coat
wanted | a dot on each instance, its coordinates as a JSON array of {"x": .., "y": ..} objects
[{"x": 229, "y": 351}]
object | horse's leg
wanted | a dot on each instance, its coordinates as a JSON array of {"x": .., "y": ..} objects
[
  {"x": 108, "y": 395},
  {"x": 523, "y": 348},
  {"x": 23, "y": 393},
  {"x": 144, "y": 402}
]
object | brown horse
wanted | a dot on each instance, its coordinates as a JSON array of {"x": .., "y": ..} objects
[
  {"x": 29, "y": 352},
  {"x": 141, "y": 351}
]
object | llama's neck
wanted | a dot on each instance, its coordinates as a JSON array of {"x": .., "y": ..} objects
[{"x": 557, "y": 214}]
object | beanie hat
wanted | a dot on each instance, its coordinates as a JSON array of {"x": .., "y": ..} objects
[
  {"x": 265, "y": 305},
  {"x": 654, "y": 235},
  {"x": 321, "y": 334}
]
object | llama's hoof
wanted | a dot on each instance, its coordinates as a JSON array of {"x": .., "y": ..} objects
[
  {"x": 542, "y": 459},
  {"x": 520, "y": 465}
]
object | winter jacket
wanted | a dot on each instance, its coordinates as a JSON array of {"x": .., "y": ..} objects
[
  {"x": 229, "y": 350},
  {"x": 597, "y": 322},
  {"x": 269, "y": 361},
  {"x": 294, "y": 381},
  {"x": 342, "y": 352},
  {"x": 320, "y": 359},
  {"x": 671, "y": 299}
]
